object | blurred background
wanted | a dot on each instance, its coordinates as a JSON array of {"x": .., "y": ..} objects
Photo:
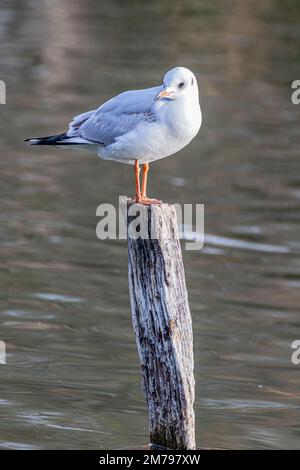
[{"x": 72, "y": 376}]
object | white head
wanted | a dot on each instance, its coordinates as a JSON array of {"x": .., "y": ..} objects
[{"x": 179, "y": 83}]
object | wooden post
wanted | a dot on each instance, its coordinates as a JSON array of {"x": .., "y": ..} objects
[{"x": 163, "y": 326}]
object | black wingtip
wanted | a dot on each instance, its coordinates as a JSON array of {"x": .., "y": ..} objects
[
  {"x": 48, "y": 140},
  {"x": 33, "y": 140}
]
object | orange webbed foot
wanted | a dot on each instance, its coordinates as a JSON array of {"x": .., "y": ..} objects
[{"x": 146, "y": 200}]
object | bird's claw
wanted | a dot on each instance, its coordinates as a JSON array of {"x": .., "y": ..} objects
[{"x": 146, "y": 200}]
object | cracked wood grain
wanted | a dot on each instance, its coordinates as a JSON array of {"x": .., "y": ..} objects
[{"x": 163, "y": 327}]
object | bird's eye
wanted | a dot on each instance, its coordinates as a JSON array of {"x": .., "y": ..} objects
[{"x": 181, "y": 85}]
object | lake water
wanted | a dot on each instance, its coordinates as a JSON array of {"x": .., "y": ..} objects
[{"x": 72, "y": 374}]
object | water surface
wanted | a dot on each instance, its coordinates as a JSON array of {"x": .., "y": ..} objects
[{"x": 72, "y": 375}]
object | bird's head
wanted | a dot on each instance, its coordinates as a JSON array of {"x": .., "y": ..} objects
[{"x": 179, "y": 83}]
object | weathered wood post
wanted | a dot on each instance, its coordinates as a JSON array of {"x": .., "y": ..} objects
[{"x": 162, "y": 324}]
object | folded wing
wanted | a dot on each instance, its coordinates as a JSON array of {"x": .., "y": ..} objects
[{"x": 116, "y": 117}]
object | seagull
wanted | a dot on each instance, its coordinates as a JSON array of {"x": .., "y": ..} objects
[{"x": 138, "y": 126}]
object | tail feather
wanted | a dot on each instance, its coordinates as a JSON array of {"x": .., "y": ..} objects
[
  {"x": 57, "y": 140},
  {"x": 48, "y": 140}
]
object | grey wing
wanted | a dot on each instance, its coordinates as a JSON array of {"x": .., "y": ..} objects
[
  {"x": 77, "y": 122},
  {"x": 117, "y": 116}
]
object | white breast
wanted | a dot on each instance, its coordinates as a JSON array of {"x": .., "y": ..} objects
[{"x": 177, "y": 124}]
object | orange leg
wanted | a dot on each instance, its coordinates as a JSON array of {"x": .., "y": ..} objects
[
  {"x": 144, "y": 180},
  {"x": 140, "y": 196},
  {"x": 137, "y": 181}
]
